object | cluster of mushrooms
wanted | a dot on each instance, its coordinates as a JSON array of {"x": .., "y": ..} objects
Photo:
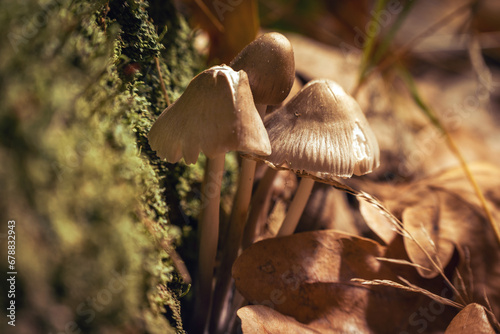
[{"x": 320, "y": 132}]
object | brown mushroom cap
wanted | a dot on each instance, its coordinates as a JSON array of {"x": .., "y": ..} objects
[
  {"x": 322, "y": 130},
  {"x": 215, "y": 114},
  {"x": 270, "y": 66}
]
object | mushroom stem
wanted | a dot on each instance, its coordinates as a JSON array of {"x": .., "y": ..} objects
[
  {"x": 261, "y": 108},
  {"x": 238, "y": 218},
  {"x": 237, "y": 302},
  {"x": 297, "y": 207},
  {"x": 259, "y": 206},
  {"x": 209, "y": 233},
  {"x": 239, "y": 214}
]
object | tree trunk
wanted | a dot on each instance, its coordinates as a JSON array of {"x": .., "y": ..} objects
[{"x": 90, "y": 204}]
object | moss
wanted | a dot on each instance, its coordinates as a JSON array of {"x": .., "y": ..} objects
[
  {"x": 139, "y": 41},
  {"x": 88, "y": 195}
]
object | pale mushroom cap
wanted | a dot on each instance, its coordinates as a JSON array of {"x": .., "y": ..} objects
[
  {"x": 322, "y": 130},
  {"x": 215, "y": 114},
  {"x": 270, "y": 65}
]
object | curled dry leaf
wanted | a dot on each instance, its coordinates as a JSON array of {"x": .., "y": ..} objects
[
  {"x": 472, "y": 319},
  {"x": 431, "y": 223},
  {"x": 307, "y": 276},
  {"x": 377, "y": 222}
]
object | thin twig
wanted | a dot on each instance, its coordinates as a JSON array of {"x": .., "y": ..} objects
[
  {"x": 179, "y": 264},
  {"x": 162, "y": 83},
  {"x": 462, "y": 286},
  {"x": 469, "y": 269}
]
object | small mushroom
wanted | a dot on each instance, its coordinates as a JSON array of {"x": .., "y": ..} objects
[
  {"x": 215, "y": 114},
  {"x": 269, "y": 64},
  {"x": 321, "y": 131}
]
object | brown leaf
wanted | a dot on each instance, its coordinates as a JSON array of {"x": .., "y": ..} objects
[
  {"x": 472, "y": 319},
  {"x": 274, "y": 269},
  {"x": 428, "y": 222},
  {"x": 308, "y": 276},
  {"x": 377, "y": 222},
  {"x": 259, "y": 319},
  {"x": 487, "y": 177},
  {"x": 460, "y": 222},
  {"x": 231, "y": 25}
]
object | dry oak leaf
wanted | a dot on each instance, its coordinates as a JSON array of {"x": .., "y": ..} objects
[
  {"x": 307, "y": 276},
  {"x": 472, "y": 319}
]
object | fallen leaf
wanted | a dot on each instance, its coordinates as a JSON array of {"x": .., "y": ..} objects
[
  {"x": 230, "y": 26},
  {"x": 472, "y": 319},
  {"x": 430, "y": 223},
  {"x": 377, "y": 222},
  {"x": 457, "y": 219},
  {"x": 308, "y": 275},
  {"x": 259, "y": 319}
]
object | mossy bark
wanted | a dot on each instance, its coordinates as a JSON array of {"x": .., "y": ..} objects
[{"x": 93, "y": 205}]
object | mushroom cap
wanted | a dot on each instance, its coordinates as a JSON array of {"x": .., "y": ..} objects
[
  {"x": 322, "y": 130},
  {"x": 270, "y": 66},
  {"x": 215, "y": 114}
]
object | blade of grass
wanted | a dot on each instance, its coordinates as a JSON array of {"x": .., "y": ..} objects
[
  {"x": 402, "y": 262},
  {"x": 370, "y": 42},
  {"x": 409, "y": 287},
  {"x": 162, "y": 83},
  {"x": 389, "y": 37},
  {"x": 412, "y": 87},
  {"x": 387, "y": 62}
]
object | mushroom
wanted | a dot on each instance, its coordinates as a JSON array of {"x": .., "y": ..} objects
[
  {"x": 270, "y": 66},
  {"x": 215, "y": 114},
  {"x": 320, "y": 132}
]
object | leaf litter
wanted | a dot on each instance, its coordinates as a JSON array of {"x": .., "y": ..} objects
[{"x": 433, "y": 266}]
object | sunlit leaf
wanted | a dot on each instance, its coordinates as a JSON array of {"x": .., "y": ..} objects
[
  {"x": 307, "y": 276},
  {"x": 446, "y": 209},
  {"x": 377, "y": 222},
  {"x": 231, "y": 25},
  {"x": 472, "y": 319},
  {"x": 258, "y": 319},
  {"x": 430, "y": 223}
]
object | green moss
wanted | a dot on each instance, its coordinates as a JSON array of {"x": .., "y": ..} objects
[
  {"x": 138, "y": 38},
  {"x": 88, "y": 195}
]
